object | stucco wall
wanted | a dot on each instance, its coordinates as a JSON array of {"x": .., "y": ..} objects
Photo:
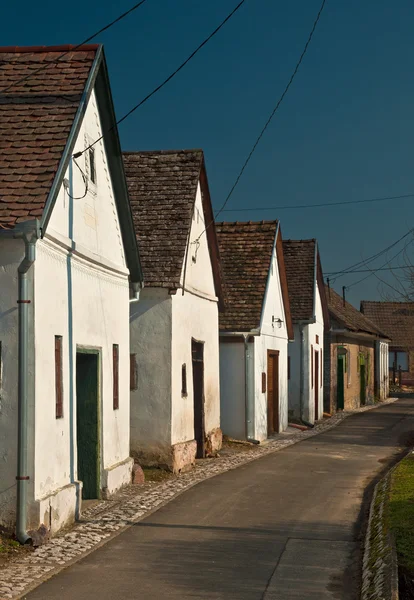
[
  {"x": 11, "y": 255},
  {"x": 351, "y": 377},
  {"x": 232, "y": 389},
  {"x": 151, "y": 330},
  {"x": 194, "y": 318},
  {"x": 273, "y": 337}
]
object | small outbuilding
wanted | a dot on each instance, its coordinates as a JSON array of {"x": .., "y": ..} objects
[{"x": 175, "y": 392}]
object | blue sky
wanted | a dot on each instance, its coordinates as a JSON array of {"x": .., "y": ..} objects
[{"x": 344, "y": 132}]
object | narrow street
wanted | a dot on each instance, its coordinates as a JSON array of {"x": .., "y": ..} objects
[{"x": 287, "y": 526}]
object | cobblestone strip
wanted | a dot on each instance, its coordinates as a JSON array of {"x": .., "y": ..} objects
[{"x": 105, "y": 520}]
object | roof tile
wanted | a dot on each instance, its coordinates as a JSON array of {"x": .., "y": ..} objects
[{"x": 396, "y": 319}]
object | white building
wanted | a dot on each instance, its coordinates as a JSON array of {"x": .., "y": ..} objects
[
  {"x": 310, "y": 318},
  {"x": 68, "y": 256},
  {"x": 254, "y": 331},
  {"x": 175, "y": 397}
]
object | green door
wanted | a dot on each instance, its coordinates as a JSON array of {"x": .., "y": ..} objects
[
  {"x": 87, "y": 423},
  {"x": 340, "y": 400},
  {"x": 362, "y": 381}
]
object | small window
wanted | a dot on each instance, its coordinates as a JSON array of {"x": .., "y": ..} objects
[
  {"x": 184, "y": 380},
  {"x": 115, "y": 364},
  {"x": 288, "y": 367},
  {"x": 92, "y": 165},
  {"x": 317, "y": 339},
  {"x": 312, "y": 366},
  {"x": 263, "y": 383},
  {"x": 321, "y": 351},
  {"x": 58, "y": 378},
  {"x": 133, "y": 373}
]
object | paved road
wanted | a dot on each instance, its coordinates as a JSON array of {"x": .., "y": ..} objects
[{"x": 285, "y": 527}]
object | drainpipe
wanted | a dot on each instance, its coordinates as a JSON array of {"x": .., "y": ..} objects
[
  {"x": 136, "y": 289},
  {"x": 22, "y": 451}
]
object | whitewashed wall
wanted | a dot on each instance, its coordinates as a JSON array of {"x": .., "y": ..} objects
[
  {"x": 11, "y": 255},
  {"x": 232, "y": 389},
  {"x": 81, "y": 292},
  {"x": 195, "y": 316},
  {"x": 151, "y": 330},
  {"x": 273, "y": 337},
  {"x": 310, "y": 331},
  {"x": 382, "y": 368}
]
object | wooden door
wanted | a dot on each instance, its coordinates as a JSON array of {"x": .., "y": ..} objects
[
  {"x": 198, "y": 396},
  {"x": 272, "y": 391},
  {"x": 87, "y": 423},
  {"x": 340, "y": 392},
  {"x": 316, "y": 385}
]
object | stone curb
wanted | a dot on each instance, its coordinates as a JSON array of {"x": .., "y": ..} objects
[
  {"x": 108, "y": 519},
  {"x": 380, "y": 564}
]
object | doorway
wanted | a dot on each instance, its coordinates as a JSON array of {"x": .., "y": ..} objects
[
  {"x": 340, "y": 399},
  {"x": 362, "y": 381},
  {"x": 316, "y": 386},
  {"x": 87, "y": 422},
  {"x": 272, "y": 392},
  {"x": 197, "y": 350}
]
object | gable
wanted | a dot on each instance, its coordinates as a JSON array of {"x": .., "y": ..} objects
[
  {"x": 197, "y": 272},
  {"x": 84, "y": 211},
  {"x": 273, "y": 305}
]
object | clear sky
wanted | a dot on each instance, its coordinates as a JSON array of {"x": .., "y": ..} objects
[{"x": 344, "y": 132}]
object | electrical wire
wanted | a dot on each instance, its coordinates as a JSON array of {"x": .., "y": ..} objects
[
  {"x": 296, "y": 206},
  {"x": 371, "y": 258},
  {"x": 366, "y": 271},
  {"x": 163, "y": 83},
  {"x": 373, "y": 271},
  {"x": 85, "y": 41},
  {"x": 272, "y": 114},
  {"x": 85, "y": 181}
]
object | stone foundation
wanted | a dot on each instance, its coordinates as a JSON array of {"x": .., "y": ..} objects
[
  {"x": 214, "y": 440},
  {"x": 116, "y": 477},
  {"x": 183, "y": 456}
]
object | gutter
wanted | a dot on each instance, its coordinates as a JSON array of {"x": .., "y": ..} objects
[
  {"x": 29, "y": 232},
  {"x": 248, "y": 397}
]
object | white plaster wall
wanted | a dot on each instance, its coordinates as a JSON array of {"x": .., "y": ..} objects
[
  {"x": 11, "y": 255},
  {"x": 88, "y": 306},
  {"x": 311, "y": 331},
  {"x": 198, "y": 274},
  {"x": 382, "y": 368},
  {"x": 294, "y": 350},
  {"x": 151, "y": 330},
  {"x": 91, "y": 221},
  {"x": 273, "y": 337},
  {"x": 194, "y": 318},
  {"x": 232, "y": 390}
]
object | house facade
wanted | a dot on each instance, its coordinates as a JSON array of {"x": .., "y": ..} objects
[
  {"x": 396, "y": 319},
  {"x": 68, "y": 261},
  {"x": 175, "y": 402},
  {"x": 350, "y": 352},
  {"x": 310, "y": 318},
  {"x": 254, "y": 331}
]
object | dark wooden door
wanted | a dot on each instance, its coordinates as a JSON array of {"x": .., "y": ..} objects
[
  {"x": 272, "y": 391},
  {"x": 362, "y": 378},
  {"x": 198, "y": 396},
  {"x": 316, "y": 385},
  {"x": 87, "y": 423},
  {"x": 340, "y": 398}
]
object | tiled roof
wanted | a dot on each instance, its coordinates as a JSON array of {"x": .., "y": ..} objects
[
  {"x": 36, "y": 116},
  {"x": 162, "y": 188},
  {"x": 245, "y": 252},
  {"x": 396, "y": 319},
  {"x": 300, "y": 270},
  {"x": 349, "y": 317}
]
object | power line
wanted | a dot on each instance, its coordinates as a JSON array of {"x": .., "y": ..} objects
[
  {"x": 371, "y": 258},
  {"x": 370, "y": 270},
  {"x": 296, "y": 206},
  {"x": 272, "y": 114},
  {"x": 173, "y": 74},
  {"x": 373, "y": 271},
  {"x": 88, "y": 39}
]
